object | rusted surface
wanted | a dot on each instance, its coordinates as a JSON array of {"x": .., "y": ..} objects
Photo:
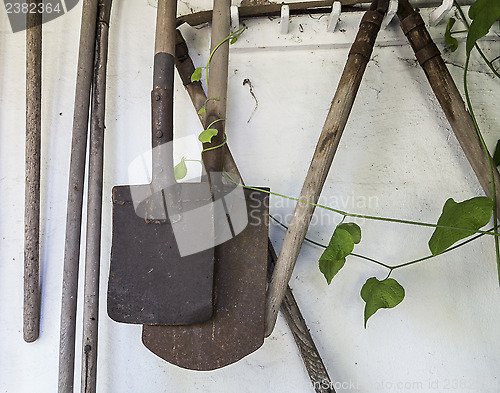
[
  {"x": 153, "y": 280},
  {"x": 305, "y": 343},
  {"x": 258, "y": 8},
  {"x": 149, "y": 282},
  {"x": 237, "y": 327}
]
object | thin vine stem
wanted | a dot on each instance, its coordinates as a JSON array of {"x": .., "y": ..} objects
[
  {"x": 236, "y": 34},
  {"x": 347, "y": 214},
  {"x": 481, "y": 53},
  {"x": 215, "y": 147},
  {"x": 212, "y": 123},
  {"x": 391, "y": 268},
  {"x": 485, "y": 148}
]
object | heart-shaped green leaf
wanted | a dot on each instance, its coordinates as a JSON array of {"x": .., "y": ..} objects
[
  {"x": 207, "y": 135},
  {"x": 377, "y": 294},
  {"x": 196, "y": 76},
  {"x": 483, "y": 14},
  {"x": 451, "y": 41},
  {"x": 471, "y": 214},
  {"x": 333, "y": 258},
  {"x": 202, "y": 111},
  {"x": 330, "y": 266},
  {"x": 353, "y": 229},
  {"x": 180, "y": 170}
]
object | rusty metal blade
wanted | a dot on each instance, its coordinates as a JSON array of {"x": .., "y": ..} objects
[
  {"x": 149, "y": 281},
  {"x": 237, "y": 327}
]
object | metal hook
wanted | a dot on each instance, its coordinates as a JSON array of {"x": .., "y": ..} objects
[
  {"x": 389, "y": 15},
  {"x": 439, "y": 13},
  {"x": 285, "y": 18},
  {"x": 235, "y": 18},
  {"x": 334, "y": 17}
]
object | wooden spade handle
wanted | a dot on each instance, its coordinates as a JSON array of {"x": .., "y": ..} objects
[
  {"x": 162, "y": 96},
  {"x": 320, "y": 164},
  {"x": 217, "y": 84},
  {"x": 290, "y": 309},
  {"x": 448, "y": 96}
]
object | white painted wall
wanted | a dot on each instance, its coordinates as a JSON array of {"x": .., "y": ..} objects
[{"x": 398, "y": 152}]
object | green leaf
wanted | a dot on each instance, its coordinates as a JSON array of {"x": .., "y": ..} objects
[
  {"x": 207, "y": 135},
  {"x": 483, "y": 14},
  {"x": 202, "y": 111},
  {"x": 330, "y": 267},
  {"x": 233, "y": 40},
  {"x": 470, "y": 214},
  {"x": 333, "y": 258},
  {"x": 377, "y": 294},
  {"x": 452, "y": 42},
  {"x": 353, "y": 229},
  {"x": 496, "y": 156},
  {"x": 196, "y": 76},
  {"x": 180, "y": 170}
]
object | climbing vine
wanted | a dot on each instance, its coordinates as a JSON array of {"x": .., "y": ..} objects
[{"x": 458, "y": 220}]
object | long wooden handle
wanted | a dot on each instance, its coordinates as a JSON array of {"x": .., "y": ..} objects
[
  {"x": 162, "y": 96},
  {"x": 94, "y": 204},
  {"x": 448, "y": 96},
  {"x": 320, "y": 164},
  {"x": 305, "y": 343},
  {"x": 165, "y": 26},
  {"x": 217, "y": 84},
  {"x": 75, "y": 196},
  {"x": 32, "y": 295}
]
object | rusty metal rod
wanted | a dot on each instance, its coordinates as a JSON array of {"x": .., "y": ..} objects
[
  {"x": 297, "y": 8},
  {"x": 312, "y": 359},
  {"x": 94, "y": 203},
  {"x": 328, "y": 142},
  {"x": 75, "y": 197},
  {"x": 32, "y": 294}
]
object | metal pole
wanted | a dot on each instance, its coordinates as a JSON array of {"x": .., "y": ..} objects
[
  {"x": 75, "y": 196},
  {"x": 94, "y": 204},
  {"x": 32, "y": 295}
]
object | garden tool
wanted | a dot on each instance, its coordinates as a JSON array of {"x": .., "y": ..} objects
[
  {"x": 342, "y": 103},
  {"x": 448, "y": 96},
  {"x": 94, "y": 204},
  {"x": 290, "y": 309},
  {"x": 237, "y": 326},
  {"x": 75, "y": 196},
  {"x": 162, "y": 255},
  {"x": 32, "y": 295}
]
